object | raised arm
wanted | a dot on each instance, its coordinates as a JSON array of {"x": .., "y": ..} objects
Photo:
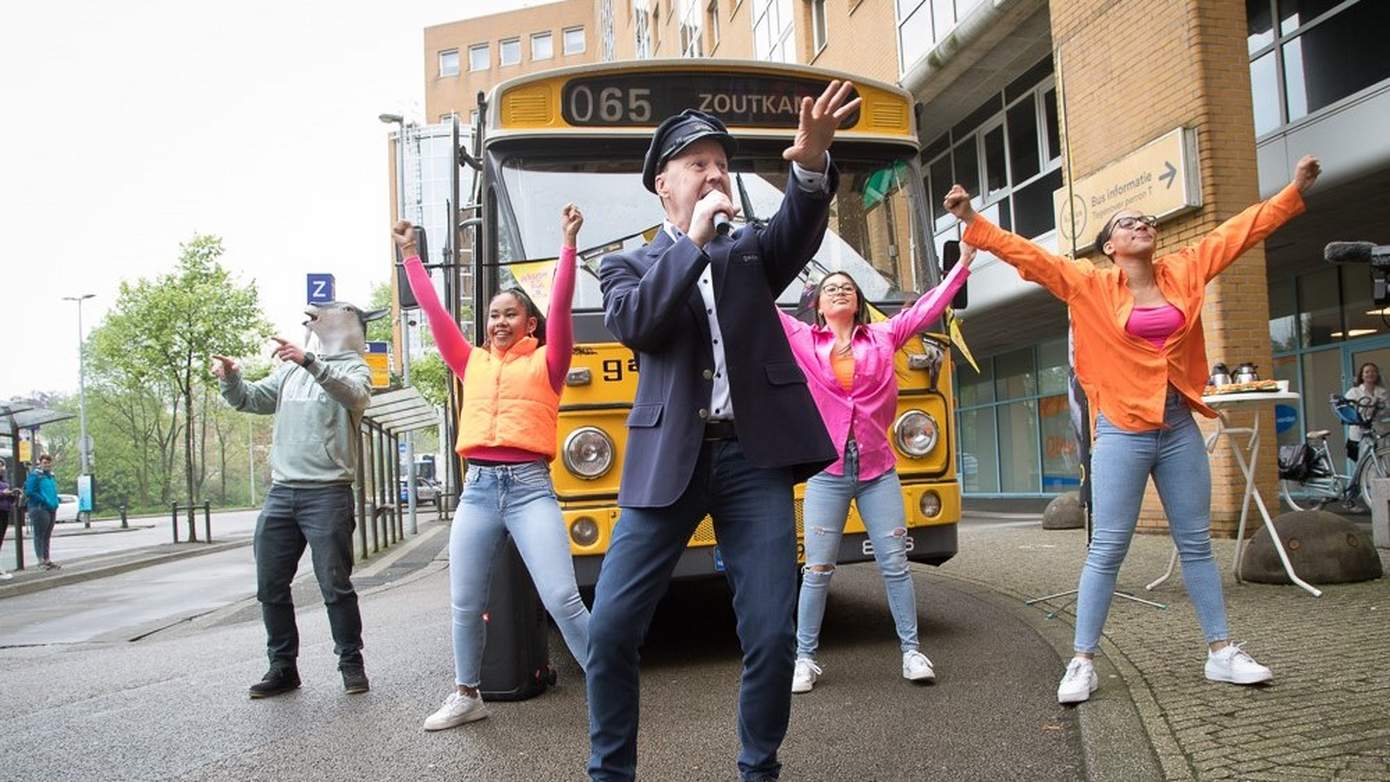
[
  {"x": 1062, "y": 276},
  {"x": 453, "y": 346},
  {"x": 349, "y": 386},
  {"x": 260, "y": 397},
  {"x": 912, "y": 320},
  {"x": 1220, "y": 248},
  {"x": 559, "y": 325}
]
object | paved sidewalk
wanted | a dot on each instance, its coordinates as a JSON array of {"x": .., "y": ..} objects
[{"x": 1323, "y": 717}]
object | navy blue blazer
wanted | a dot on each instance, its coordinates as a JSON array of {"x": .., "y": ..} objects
[{"x": 652, "y": 305}]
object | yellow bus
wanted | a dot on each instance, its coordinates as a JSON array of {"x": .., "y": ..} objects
[{"x": 579, "y": 134}]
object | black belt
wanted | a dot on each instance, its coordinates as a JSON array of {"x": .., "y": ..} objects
[{"x": 720, "y": 430}]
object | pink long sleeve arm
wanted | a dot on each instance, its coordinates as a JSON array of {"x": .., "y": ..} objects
[
  {"x": 559, "y": 326},
  {"x": 453, "y": 346},
  {"x": 927, "y": 309}
]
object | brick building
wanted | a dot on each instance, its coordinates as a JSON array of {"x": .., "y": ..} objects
[{"x": 1022, "y": 100}]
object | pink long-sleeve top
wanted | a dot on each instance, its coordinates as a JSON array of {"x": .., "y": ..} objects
[
  {"x": 867, "y": 408},
  {"x": 454, "y": 348}
]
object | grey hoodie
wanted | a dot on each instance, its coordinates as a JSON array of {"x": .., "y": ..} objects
[{"x": 318, "y": 413}]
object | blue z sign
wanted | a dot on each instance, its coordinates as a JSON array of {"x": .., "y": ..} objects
[{"x": 320, "y": 289}]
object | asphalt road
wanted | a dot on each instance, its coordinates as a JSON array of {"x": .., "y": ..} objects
[{"x": 174, "y": 706}]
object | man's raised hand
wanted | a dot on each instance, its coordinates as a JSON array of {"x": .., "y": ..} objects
[
  {"x": 288, "y": 351},
  {"x": 819, "y": 119},
  {"x": 224, "y": 367}
]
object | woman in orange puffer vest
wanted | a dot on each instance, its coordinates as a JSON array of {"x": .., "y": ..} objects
[{"x": 511, "y": 395}]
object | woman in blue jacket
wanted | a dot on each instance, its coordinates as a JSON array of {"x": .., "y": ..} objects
[{"x": 41, "y": 501}]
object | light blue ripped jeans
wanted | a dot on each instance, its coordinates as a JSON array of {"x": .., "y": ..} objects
[
  {"x": 1121, "y": 463},
  {"x": 880, "y": 504},
  {"x": 516, "y": 500}
]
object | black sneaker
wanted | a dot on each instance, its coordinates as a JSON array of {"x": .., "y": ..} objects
[
  {"x": 354, "y": 679},
  {"x": 277, "y": 681}
]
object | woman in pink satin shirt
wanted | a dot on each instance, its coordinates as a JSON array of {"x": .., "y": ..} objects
[{"x": 848, "y": 363}]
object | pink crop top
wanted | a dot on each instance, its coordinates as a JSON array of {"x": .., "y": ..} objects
[{"x": 1155, "y": 324}]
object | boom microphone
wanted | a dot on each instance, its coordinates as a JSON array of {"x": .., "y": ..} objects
[
  {"x": 722, "y": 225},
  {"x": 1349, "y": 252}
]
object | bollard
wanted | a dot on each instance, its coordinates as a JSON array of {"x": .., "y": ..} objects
[
  {"x": 125, "y": 523},
  {"x": 207, "y": 521},
  {"x": 176, "y": 522}
]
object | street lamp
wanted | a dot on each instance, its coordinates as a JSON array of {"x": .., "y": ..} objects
[
  {"x": 399, "y": 122},
  {"x": 84, "y": 445}
]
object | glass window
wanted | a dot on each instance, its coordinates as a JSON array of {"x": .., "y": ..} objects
[
  {"x": 1338, "y": 57},
  {"x": 1288, "y": 419},
  {"x": 1322, "y": 377},
  {"x": 1360, "y": 315},
  {"x": 914, "y": 36},
  {"x": 1013, "y": 374},
  {"x": 1293, "y": 14},
  {"x": 996, "y": 172},
  {"x": 1061, "y": 465},
  {"x": 509, "y": 51},
  {"x": 1259, "y": 24},
  {"x": 478, "y": 57},
  {"x": 1018, "y": 447},
  {"x": 943, "y": 16},
  {"x": 449, "y": 63},
  {"x": 1023, "y": 140},
  {"x": 542, "y": 46},
  {"x": 1033, "y": 215},
  {"x": 977, "y": 388},
  {"x": 818, "y": 32},
  {"x": 574, "y": 40},
  {"x": 1052, "y": 367},
  {"x": 1321, "y": 312},
  {"x": 941, "y": 180},
  {"x": 1283, "y": 316},
  {"x": 906, "y": 7},
  {"x": 967, "y": 161},
  {"x": 1054, "y": 130},
  {"x": 1264, "y": 89},
  {"x": 979, "y": 468}
]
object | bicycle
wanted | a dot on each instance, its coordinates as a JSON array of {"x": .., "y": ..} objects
[{"x": 1307, "y": 472}]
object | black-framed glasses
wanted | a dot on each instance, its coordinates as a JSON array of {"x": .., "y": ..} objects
[
  {"x": 1129, "y": 222},
  {"x": 833, "y": 288}
]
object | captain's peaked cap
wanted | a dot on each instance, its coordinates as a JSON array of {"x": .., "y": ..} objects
[{"x": 678, "y": 132}]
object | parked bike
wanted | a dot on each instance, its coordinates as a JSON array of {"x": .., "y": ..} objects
[{"x": 1308, "y": 477}]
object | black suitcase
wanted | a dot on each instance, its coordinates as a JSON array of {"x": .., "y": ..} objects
[{"x": 516, "y": 659}]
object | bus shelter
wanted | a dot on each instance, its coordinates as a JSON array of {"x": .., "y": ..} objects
[
  {"x": 390, "y": 415},
  {"x": 16, "y": 417}
]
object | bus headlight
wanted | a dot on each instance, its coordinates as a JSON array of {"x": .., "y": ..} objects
[
  {"x": 915, "y": 433},
  {"x": 588, "y": 453},
  {"x": 930, "y": 504},
  {"x": 584, "y": 531}
]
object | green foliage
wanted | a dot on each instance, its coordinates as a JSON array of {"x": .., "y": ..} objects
[{"x": 431, "y": 377}]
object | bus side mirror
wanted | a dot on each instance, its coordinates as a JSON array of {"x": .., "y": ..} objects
[{"x": 950, "y": 256}]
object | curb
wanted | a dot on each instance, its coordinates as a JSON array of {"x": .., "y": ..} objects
[
  {"x": 1115, "y": 739},
  {"x": 73, "y": 575}
]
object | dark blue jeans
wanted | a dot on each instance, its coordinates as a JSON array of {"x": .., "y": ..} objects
[
  {"x": 322, "y": 518},
  {"x": 755, "y": 523},
  {"x": 41, "y": 528}
]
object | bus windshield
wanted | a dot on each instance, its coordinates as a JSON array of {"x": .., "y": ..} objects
[{"x": 872, "y": 233}]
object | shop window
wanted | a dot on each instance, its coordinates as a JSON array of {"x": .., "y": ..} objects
[
  {"x": 979, "y": 468},
  {"x": 1321, "y": 312},
  {"x": 1013, "y": 374},
  {"x": 1061, "y": 469},
  {"x": 1360, "y": 315},
  {"x": 1052, "y": 367},
  {"x": 977, "y": 388},
  {"x": 1283, "y": 316},
  {"x": 1018, "y": 447}
]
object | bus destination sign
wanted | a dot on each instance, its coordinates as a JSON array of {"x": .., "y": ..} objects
[{"x": 739, "y": 99}]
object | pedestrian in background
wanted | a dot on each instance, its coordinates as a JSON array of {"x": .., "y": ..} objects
[
  {"x": 1141, "y": 359},
  {"x": 848, "y": 362},
  {"x": 1368, "y": 392},
  {"x": 507, "y": 432},
  {"x": 41, "y": 502},
  {"x": 7, "y": 498}
]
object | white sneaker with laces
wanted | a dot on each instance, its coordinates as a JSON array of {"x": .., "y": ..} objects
[
  {"x": 1231, "y": 664},
  {"x": 1078, "y": 682},
  {"x": 457, "y": 709},
  {"x": 804, "y": 677},
  {"x": 917, "y": 668}
]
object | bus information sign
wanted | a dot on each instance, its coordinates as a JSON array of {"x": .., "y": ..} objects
[{"x": 739, "y": 99}]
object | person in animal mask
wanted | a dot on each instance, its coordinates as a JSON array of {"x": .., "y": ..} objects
[
  {"x": 317, "y": 401},
  {"x": 511, "y": 401}
]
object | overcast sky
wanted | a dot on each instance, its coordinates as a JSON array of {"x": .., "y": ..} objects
[{"x": 127, "y": 127}]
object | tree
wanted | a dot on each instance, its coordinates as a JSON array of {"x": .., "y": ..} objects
[{"x": 172, "y": 325}]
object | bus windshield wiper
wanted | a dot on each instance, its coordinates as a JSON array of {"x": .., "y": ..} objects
[{"x": 746, "y": 203}]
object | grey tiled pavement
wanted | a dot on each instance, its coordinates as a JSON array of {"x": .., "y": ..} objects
[{"x": 1325, "y": 716}]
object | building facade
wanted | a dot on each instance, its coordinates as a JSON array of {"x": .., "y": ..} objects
[{"x": 1024, "y": 100}]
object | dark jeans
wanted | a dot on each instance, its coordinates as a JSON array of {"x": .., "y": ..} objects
[
  {"x": 41, "y": 528},
  {"x": 755, "y": 524},
  {"x": 323, "y": 518}
]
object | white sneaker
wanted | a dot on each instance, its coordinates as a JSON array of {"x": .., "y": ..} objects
[
  {"x": 1078, "y": 682},
  {"x": 1232, "y": 664},
  {"x": 804, "y": 677},
  {"x": 5, "y": 576},
  {"x": 457, "y": 709},
  {"x": 917, "y": 668}
]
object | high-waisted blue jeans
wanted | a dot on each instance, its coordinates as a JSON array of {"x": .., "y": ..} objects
[
  {"x": 880, "y": 503},
  {"x": 1121, "y": 464}
]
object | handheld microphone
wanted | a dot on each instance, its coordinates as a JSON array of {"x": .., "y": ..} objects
[
  {"x": 1349, "y": 252},
  {"x": 722, "y": 225}
]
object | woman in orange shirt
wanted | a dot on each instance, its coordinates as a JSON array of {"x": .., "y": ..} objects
[{"x": 1141, "y": 358}]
